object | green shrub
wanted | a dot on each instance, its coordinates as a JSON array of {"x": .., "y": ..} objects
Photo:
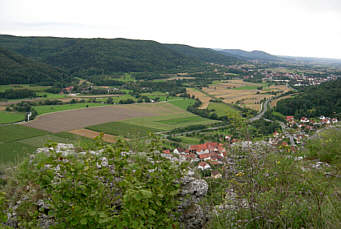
[{"x": 109, "y": 190}]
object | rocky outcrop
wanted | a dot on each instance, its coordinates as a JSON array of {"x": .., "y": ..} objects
[{"x": 193, "y": 216}]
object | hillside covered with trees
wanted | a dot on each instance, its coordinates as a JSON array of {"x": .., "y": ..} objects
[
  {"x": 16, "y": 69},
  {"x": 324, "y": 99},
  {"x": 106, "y": 56}
]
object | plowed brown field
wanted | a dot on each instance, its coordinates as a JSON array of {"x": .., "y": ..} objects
[{"x": 78, "y": 119}]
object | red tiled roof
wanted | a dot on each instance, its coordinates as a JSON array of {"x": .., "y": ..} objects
[
  {"x": 167, "y": 151},
  {"x": 203, "y": 164},
  {"x": 205, "y": 155},
  {"x": 214, "y": 163}
]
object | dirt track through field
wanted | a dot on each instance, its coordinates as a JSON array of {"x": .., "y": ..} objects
[
  {"x": 78, "y": 119},
  {"x": 92, "y": 134}
]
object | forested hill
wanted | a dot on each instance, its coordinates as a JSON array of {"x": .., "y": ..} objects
[
  {"x": 253, "y": 55},
  {"x": 324, "y": 99},
  {"x": 203, "y": 54},
  {"x": 16, "y": 69},
  {"x": 98, "y": 56}
]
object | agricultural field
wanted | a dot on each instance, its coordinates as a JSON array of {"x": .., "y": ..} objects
[
  {"x": 93, "y": 134},
  {"x": 182, "y": 103},
  {"x": 11, "y": 117},
  {"x": 222, "y": 109},
  {"x": 205, "y": 99},
  {"x": 169, "y": 122},
  {"x": 244, "y": 94},
  {"x": 78, "y": 119},
  {"x": 11, "y": 149},
  {"x": 168, "y": 117},
  {"x": 275, "y": 101},
  {"x": 36, "y": 88},
  {"x": 47, "y": 95},
  {"x": 17, "y": 141},
  {"x": 55, "y": 108},
  {"x": 123, "y": 129}
]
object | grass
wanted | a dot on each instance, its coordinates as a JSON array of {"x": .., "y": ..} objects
[
  {"x": 54, "y": 108},
  {"x": 177, "y": 121},
  {"x": 223, "y": 109},
  {"x": 183, "y": 104},
  {"x": 48, "y": 95},
  {"x": 123, "y": 129},
  {"x": 189, "y": 140},
  {"x": 14, "y": 151},
  {"x": 10, "y": 117},
  {"x": 42, "y": 140},
  {"x": 76, "y": 139},
  {"x": 12, "y": 133},
  {"x": 36, "y": 88},
  {"x": 326, "y": 147},
  {"x": 160, "y": 122},
  {"x": 17, "y": 141}
]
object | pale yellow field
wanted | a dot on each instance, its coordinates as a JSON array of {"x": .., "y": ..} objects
[
  {"x": 201, "y": 96},
  {"x": 250, "y": 98},
  {"x": 275, "y": 101}
]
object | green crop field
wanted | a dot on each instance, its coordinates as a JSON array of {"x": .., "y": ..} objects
[
  {"x": 222, "y": 109},
  {"x": 10, "y": 117},
  {"x": 123, "y": 129},
  {"x": 54, "y": 108},
  {"x": 51, "y": 95},
  {"x": 160, "y": 122},
  {"x": 182, "y": 103},
  {"x": 12, "y": 133},
  {"x": 16, "y": 141},
  {"x": 251, "y": 87},
  {"x": 14, "y": 151},
  {"x": 10, "y": 147},
  {"x": 189, "y": 140},
  {"x": 42, "y": 140},
  {"x": 185, "y": 120}
]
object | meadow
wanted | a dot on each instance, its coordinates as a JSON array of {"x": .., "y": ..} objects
[
  {"x": 182, "y": 103},
  {"x": 17, "y": 141},
  {"x": 11, "y": 117},
  {"x": 204, "y": 98},
  {"x": 223, "y": 109},
  {"x": 43, "y": 109},
  {"x": 123, "y": 129},
  {"x": 244, "y": 94}
]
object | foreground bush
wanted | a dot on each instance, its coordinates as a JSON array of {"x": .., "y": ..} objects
[
  {"x": 95, "y": 189},
  {"x": 278, "y": 190}
]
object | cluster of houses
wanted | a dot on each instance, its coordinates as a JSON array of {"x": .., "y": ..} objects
[
  {"x": 207, "y": 155},
  {"x": 310, "y": 124},
  {"x": 303, "y": 124}
]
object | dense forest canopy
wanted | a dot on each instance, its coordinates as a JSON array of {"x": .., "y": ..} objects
[
  {"x": 80, "y": 57},
  {"x": 16, "y": 69},
  {"x": 324, "y": 99}
]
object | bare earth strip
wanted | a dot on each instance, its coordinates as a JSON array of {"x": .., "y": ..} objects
[
  {"x": 78, "y": 119},
  {"x": 92, "y": 134}
]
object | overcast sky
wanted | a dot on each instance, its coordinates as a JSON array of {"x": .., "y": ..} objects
[{"x": 282, "y": 27}]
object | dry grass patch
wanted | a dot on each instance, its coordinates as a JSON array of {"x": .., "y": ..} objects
[
  {"x": 250, "y": 98},
  {"x": 205, "y": 99},
  {"x": 275, "y": 101},
  {"x": 93, "y": 134}
]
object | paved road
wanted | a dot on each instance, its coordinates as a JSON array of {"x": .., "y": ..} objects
[
  {"x": 287, "y": 134},
  {"x": 264, "y": 109}
]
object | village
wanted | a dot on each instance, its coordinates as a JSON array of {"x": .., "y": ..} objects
[{"x": 209, "y": 156}]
